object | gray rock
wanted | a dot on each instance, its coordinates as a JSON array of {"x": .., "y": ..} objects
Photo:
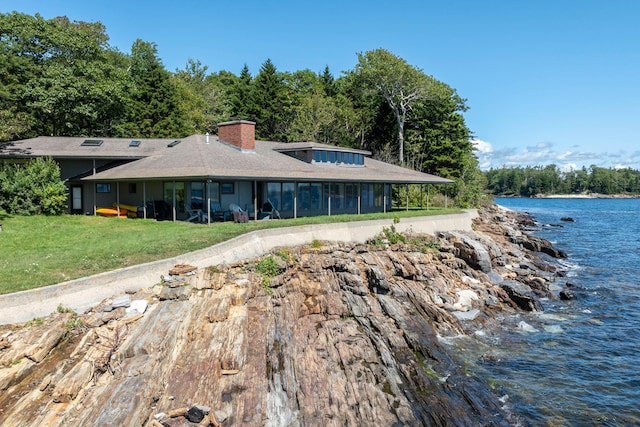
[
  {"x": 121, "y": 301},
  {"x": 220, "y": 416},
  {"x": 467, "y": 315},
  {"x": 495, "y": 277},
  {"x": 472, "y": 252},
  {"x": 179, "y": 293},
  {"x": 522, "y": 295}
]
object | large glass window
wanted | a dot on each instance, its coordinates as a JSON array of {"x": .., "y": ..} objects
[
  {"x": 351, "y": 195},
  {"x": 274, "y": 192},
  {"x": 316, "y": 195},
  {"x": 304, "y": 197},
  {"x": 337, "y": 194},
  {"x": 366, "y": 195},
  {"x": 175, "y": 189},
  {"x": 288, "y": 189},
  {"x": 379, "y": 195},
  {"x": 197, "y": 195}
]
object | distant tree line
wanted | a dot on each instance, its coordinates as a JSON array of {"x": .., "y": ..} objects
[
  {"x": 61, "y": 77},
  {"x": 531, "y": 181}
]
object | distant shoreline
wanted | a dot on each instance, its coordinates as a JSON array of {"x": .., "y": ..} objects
[{"x": 576, "y": 196}]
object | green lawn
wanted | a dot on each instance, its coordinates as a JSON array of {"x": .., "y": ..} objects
[{"x": 37, "y": 251}]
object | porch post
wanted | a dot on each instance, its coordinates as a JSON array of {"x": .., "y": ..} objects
[
  {"x": 255, "y": 200},
  {"x": 208, "y": 202},
  {"x": 421, "y": 195},
  {"x": 173, "y": 202},
  {"x": 144, "y": 199},
  {"x": 329, "y": 203},
  {"x": 428, "y": 191},
  {"x": 118, "y": 197},
  {"x": 384, "y": 202},
  {"x": 295, "y": 199},
  {"x": 359, "y": 196},
  {"x": 407, "y": 197},
  {"x": 95, "y": 205}
]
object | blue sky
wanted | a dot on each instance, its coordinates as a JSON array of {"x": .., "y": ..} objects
[{"x": 546, "y": 81}]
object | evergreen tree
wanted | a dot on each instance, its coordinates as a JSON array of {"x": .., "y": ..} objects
[
  {"x": 153, "y": 110},
  {"x": 268, "y": 104}
]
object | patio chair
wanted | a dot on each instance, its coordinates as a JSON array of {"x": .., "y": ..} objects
[
  {"x": 268, "y": 211},
  {"x": 217, "y": 214},
  {"x": 194, "y": 214},
  {"x": 238, "y": 214}
]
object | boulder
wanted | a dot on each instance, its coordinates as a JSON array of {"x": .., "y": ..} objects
[
  {"x": 194, "y": 414},
  {"x": 567, "y": 294},
  {"x": 521, "y": 295},
  {"x": 472, "y": 252}
]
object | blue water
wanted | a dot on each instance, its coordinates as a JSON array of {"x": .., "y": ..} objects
[{"x": 581, "y": 366}]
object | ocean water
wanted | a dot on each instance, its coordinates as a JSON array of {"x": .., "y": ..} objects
[{"x": 578, "y": 363}]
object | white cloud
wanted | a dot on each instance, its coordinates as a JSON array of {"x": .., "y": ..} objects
[
  {"x": 484, "y": 153},
  {"x": 482, "y": 146},
  {"x": 545, "y": 153}
]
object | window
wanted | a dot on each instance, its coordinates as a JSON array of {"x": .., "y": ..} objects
[
  {"x": 303, "y": 197},
  {"x": 366, "y": 195},
  {"x": 197, "y": 195},
  {"x": 174, "y": 143},
  {"x": 351, "y": 195},
  {"x": 274, "y": 191},
  {"x": 378, "y": 194},
  {"x": 133, "y": 188},
  {"x": 177, "y": 189},
  {"x": 227, "y": 188},
  {"x": 316, "y": 195},
  {"x": 91, "y": 143},
  {"x": 288, "y": 189},
  {"x": 103, "y": 188},
  {"x": 135, "y": 143}
]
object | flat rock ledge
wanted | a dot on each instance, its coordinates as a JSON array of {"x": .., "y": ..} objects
[{"x": 325, "y": 334}]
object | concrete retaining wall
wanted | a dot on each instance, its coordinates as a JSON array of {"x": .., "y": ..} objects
[{"x": 81, "y": 294}]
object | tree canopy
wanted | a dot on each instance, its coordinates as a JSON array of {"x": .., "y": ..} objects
[{"x": 61, "y": 77}]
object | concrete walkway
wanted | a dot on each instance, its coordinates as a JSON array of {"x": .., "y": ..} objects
[{"x": 84, "y": 293}]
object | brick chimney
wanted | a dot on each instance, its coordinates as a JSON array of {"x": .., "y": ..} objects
[{"x": 239, "y": 133}]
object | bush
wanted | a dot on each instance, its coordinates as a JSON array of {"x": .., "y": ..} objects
[{"x": 32, "y": 188}]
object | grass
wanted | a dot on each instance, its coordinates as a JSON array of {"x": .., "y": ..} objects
[{"x": 37, "y": 251}]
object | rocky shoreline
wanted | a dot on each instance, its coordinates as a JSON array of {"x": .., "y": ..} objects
[{"x": 322, "y": 334}]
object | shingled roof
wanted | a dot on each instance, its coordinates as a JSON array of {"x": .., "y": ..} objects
[{"x": 194, "y": 158}]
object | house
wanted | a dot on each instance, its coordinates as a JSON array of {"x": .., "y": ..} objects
[{"x": 199, "y": 177}]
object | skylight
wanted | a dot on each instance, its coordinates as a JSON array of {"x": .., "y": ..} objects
[
  {"x": 134, "y": 143},
  {"x": 91, "y": 143},
  {"x": 174, "y": 143}
]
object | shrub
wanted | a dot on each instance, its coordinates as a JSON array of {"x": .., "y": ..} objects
[{"x": 32, "y": 188}]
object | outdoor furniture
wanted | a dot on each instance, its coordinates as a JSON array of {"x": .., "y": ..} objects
[
  {"x": 194, "y": 214},
  {"x": 216, "y": 212},
  {"x": 238, "y": 214},
  {"x": 268, "y": 211}
]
